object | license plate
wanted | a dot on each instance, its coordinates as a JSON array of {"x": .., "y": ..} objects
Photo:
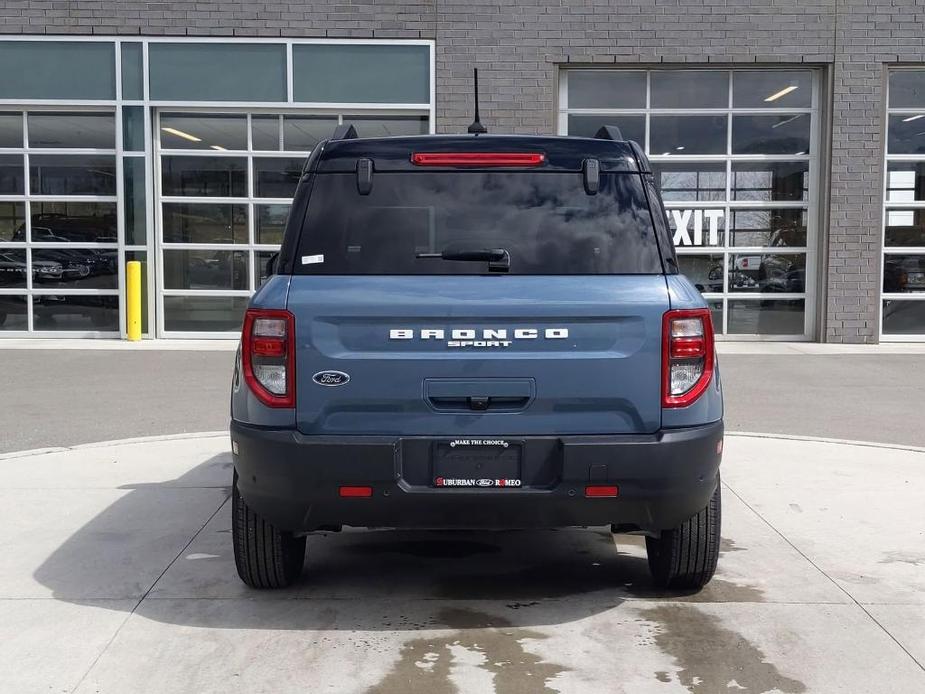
[{"x": 477, "y": 463}]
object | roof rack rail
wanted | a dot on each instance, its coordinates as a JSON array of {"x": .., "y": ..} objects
[
  {"x": 609, "y": 132},
  {"x": 345, "y": 132}
]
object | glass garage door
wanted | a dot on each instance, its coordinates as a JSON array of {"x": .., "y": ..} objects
[
  {"x": 225, "y": 183},
  {"x": 736, "y": 155}
]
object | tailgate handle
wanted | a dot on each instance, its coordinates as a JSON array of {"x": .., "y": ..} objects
[{"x": 479, "y": 395}]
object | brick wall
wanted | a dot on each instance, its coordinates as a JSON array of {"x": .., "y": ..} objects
[{"x": 518, "y": 45}]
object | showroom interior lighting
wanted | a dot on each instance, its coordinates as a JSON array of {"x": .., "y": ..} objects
[
  {"x": 180, "y": 133},
  {"x": 218, "y": 148},
  {"x": 912, "y": 118},
  {"x": 782, "y": 92}
]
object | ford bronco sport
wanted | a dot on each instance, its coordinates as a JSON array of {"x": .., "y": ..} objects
[{"x": 477, "y": 332}]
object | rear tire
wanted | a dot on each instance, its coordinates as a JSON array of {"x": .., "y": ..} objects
[
  {"x": 685, "y": 557},
  {"x": 265, "y": 556}
]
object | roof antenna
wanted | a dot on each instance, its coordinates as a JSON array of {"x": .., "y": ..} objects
[{"x": 477, "y": 128}]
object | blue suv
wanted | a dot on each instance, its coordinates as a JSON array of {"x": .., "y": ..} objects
[{"x": 477, "y": 332}]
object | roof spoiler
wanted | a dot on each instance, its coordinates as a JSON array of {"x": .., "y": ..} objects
[
  {"x": 609, "y": 132},
  {"x": 345, "y": 132}
]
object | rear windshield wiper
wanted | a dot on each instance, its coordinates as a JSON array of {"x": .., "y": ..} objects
[{"x": 498, "y": 259}]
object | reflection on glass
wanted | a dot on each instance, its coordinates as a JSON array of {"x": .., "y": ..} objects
[
  {"x": 631, "y": 127},
  {"x": 132, "y": 69},
  {"x": 783, "y": 134},
  {"x": 766, "y": 317},
  {"x": 218, "y": 132},
  {"x": 716, "y": 315},
  {"x": 691, "y": 181},
  {"x": 12, "y": 221},
  {"x": 388, "y": 126},
  {"x": 905, "y": 227},
  {"x": 204, "y": 223},
  {"x": 57, "y": 312},
  {"x": 70, "y": 174},
  {"x": 302, "y": 133},
  {"x": 905, "y": 135},
  {"x": 696, "y": 227},
  {"x": 903, "y": 273},
  {"x": 12, "y": 176},
  {"x": 606, "y": 89},
  {"x": 767, "y": 273},
  {"x": 142, "y": 257},
  {"x": 905, "y": 181},
  {"x": 84, "y": 130},
  {"x": 704, "y": 271},
  {"x": 133, "y": 128},
  {"x": 271, "y": 223},
  {"x": 770, "y": 181},
  {"x": 276, "y": 178},
  {"x": 10, "y": 130},
  {"x": 769, "y": 227},
  {"x": 262, "y": 258},
  {"x": 687, "y": 135},
  {"x": 75, "y": 268},
  {"x": 73, "y": 222},
  {"x": 13, "y": 268},
  {"x": 903, "y": 317},
  {"x": 204, "y": 313},
  {"x": 204, "y": 176},
  {"x": 134, "y": 188},
  {"x": 907, "y": 89},
  {"x": 689, "y": 89},
  {"x": 209, "y": 269},
  {"x": 772, "y": 89},
  {"x": 14, "y": 312},
  {"x": 265, "y": 133}
]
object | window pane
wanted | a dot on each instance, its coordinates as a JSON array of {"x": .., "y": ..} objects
[
  {"x": 691, "y": 181},
  {"x": 265, "y": 133},
  {"x": 905, "y": 181},
  {"x": 907, "y": 88},
  {"x": 204, "y": 223},
  {"x": 84, "y": 130},
  {"x": 764, "y": 317},
  {"x": 10, "y": 130},
  {"x": 204, "y": 176},
  {"x": 74, "y": 222},
  {"x": 74, "y": 268},
  {"x": 271, "y": 223},
  {"x": 905, "y": 135},
  {"x": 905, "y": 227},
  {"x": 13, "y": 270},
  {"x": 386, "y": 126},
  {"x": 13, "y": 312},
  {"x": 133, "y": 169},
  {"x": 262, "y": 258},
  {"x": 12, "y": 174},
  {"x": 203, "y": 132},
  {"x": 697, "y": 227},
  {"x": 767, "y": 273},
  {"x": 768, "y": 227},
  {"x": 142, "y": 257},
  {"x": 716, "y": 315},
  {"x": 903, "y": 273},
  {"x": 56, "y": 312},
  {"x": 772, "y": 89},
  {"x": 12, "y": 221},
  {"x": 302, "y": 133},
  {"x": 133, "y": 128},
  {"x": 705, "y": 271},
  {"x": 770, "y": 181},
  {"x": 58, "y": 70},
  {"x": 606, "y": 89},
  {"x": 345, "y": 73},
  {"x": 687, "y": 135},
  {"x": 690, "y": 89},
  {"x": 631, "y": 127},
  {"x": 771, "y": 134},
  {"x": 276, "y": 178},
  {"x": 217, "y": 71},
  {"x": 204, "y": 313},
  {"x": 903, "y": 317},
  {"x": 132, "y": 82},
  {"x": 205, "y": 269},
  {"x": 69, "y": 174}
]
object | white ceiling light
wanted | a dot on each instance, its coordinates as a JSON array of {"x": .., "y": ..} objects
[
  {"x": 783, "y": 92},
  {"x": 218, "y": 147},
  {"x": 180, "y": 133},
  {"x": 788, "y": 120},
  {"x": 912, "y": 118},
  {"x": 679, "y": 148}
]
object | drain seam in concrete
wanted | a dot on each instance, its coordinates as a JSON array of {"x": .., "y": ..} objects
[{"x": 830, "y": 579}]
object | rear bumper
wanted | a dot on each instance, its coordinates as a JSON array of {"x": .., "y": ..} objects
[{"x": 293, "y": 481}]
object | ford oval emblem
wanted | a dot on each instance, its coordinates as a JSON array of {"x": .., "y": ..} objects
[
  {"x": 331, "y": 378},
  {"x": 485, "y": 483}
]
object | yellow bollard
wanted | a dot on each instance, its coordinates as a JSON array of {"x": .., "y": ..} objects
[{"x": 133, "y": 300}]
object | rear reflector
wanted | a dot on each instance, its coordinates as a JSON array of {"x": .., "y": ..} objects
[
  {"x": 356, "y": 491},
  {"x": 596, "y": 491},
  {"x": 477, "y": 158}
]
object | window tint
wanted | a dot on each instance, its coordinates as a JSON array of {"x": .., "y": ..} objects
[{"x": 546, "y": 221}]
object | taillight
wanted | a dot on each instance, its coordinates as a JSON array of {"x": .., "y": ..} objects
[
  {"x": 268, "y": 356},
  {"x": 478, "y": 158},
  {"x": 687, "y": 355}
]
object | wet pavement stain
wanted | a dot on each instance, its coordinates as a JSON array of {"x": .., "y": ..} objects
[
  {"x": 711, "y": 657},
  {"x": 486, "y": 642},
  {"x": 726, "y": 545}
]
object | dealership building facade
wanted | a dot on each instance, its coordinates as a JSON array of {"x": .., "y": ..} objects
[{"x": 788, "y": 139}]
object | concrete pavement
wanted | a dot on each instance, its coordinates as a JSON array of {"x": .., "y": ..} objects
[{"x": 116, "y": 575}]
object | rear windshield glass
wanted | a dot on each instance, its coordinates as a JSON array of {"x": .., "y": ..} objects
[{"x": 545, "y": 221}]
